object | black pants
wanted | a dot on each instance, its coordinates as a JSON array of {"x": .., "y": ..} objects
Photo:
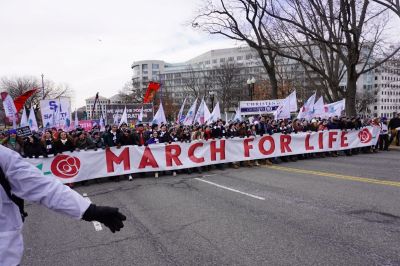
[
  {"x": 395, "y": 135},
  {"x": 383, "y": 142}
]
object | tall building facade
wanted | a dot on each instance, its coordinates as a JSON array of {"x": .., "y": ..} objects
[
  {"x": 180, "y": 79},
  {"x": 100, "y": 107}
]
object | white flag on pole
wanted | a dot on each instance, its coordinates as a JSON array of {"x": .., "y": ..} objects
[
  {"x": 180, "y": 119},
  {"x": 200, "y": 112},
  {"x": 207, "y": 113},
  {"x": 216, "y": 114},
  {"x": 226, "y": 117},
  {"x": 293, "y": 101},
  {"x": 307, "y": 107},
  {"x": 32, "y": 120},
  {"x": 140, "y": 116},
  {"x": 124, "y": 118},
  {"x": 238, "y": 116},
  {"x": 9, "y": 108},
  {"x": 159, "y": 117},
  {"x": 101, "y": 123},
  {"x": 334, "y": 109},
  {"x": 24, "y": 119},
  {"x": 283, "y": 110},
  {"x": 318, "y": 109},
  {"x": 190, "y": 114}
]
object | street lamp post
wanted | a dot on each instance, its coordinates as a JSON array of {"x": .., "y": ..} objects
[{"x": 250, "y": 83}]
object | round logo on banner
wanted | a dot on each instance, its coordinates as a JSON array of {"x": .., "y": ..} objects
[
  {"x": 365, "y": 136},
  {"x": 65, "y": 166}
]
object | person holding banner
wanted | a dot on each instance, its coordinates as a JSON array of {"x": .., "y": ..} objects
[{"x": 23, "y": 180}]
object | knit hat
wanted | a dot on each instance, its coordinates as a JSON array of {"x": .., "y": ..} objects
[{"x": 12, "y": 131}]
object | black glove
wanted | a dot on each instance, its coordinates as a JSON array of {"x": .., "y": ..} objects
[{"x": 109, "y": 216}]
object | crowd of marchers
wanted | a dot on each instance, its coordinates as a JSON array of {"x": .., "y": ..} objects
[{"x": 55, "y": 141}]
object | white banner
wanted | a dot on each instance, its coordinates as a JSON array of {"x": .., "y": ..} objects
[
  {"x": 84, "y": 165},
  {"x": 262, "y": 107},
  {"x": 56, "y": 113}
]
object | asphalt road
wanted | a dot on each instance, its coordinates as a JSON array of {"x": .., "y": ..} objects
[{"x": 327, "y": 211}]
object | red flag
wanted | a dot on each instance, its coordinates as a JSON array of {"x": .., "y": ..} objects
[
  {"x": 20, "y": 100},
  {"x": 151, "y": 91}
]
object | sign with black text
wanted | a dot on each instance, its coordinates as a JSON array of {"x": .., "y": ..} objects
[{"x": 24, "y": 132}]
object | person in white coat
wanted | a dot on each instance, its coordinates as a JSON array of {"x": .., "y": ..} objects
[{"x": 27, "y": 182}]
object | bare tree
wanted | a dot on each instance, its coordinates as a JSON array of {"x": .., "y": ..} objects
[
  {"x": 229, "y": 84},
  {"x": 190, "y": 82},
  {"x": 364, "y": 100},
  {"x": 353, "y": 32},
  {"x": 242, "y": 20},
  {"x": 393, "y": 5},
  {"x": 15, "y": 86},
  {"x": 132, "y": 92}
]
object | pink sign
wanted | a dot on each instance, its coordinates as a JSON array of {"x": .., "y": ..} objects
[{"x": 86, "y": 124}]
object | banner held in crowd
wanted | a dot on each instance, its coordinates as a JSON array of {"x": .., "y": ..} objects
[
  {"x": 78, "y": 166},
  {"x": 55, "y": 112}
]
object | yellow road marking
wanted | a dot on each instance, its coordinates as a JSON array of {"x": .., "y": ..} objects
[{"x": 339, "y": 176}]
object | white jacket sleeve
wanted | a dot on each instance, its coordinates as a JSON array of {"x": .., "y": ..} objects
[{"x": 28, "y": 183}]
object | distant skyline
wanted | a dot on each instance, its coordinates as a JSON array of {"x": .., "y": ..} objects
[{"x": 90, "y": 45}]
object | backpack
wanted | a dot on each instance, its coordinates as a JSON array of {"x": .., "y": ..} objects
[{"x": 17, "y": 200}]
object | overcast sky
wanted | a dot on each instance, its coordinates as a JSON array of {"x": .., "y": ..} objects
[{"x": 91, "y": 44}]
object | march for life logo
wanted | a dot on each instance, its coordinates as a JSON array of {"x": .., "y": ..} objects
[
  {"x": 65, "y": 166},
  {"x": 364, "y": 135}
]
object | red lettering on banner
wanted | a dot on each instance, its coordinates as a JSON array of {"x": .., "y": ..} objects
[
  {"x": 343, "y": 139},
  {"x": 169, "y": 156},
  {"x": 308, "y": 146},
  {"x": 148, "y": 159},
  {"x": 191, "y": 150},
  {"x": 285, "y": 142},
  {"x": 321, "y": 140},
  {"x": 220, "y": 150},
  {"x": 331, "y": 138},
  {"x": 111, "y": 158},
  {"x": 261, "y": 145},
  {"x": 247, "y": 147}
]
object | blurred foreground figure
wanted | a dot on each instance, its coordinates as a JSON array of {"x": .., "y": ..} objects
[{"x": 22, "y": 181}]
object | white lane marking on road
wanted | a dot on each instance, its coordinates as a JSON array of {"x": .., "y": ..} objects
[
  {"x": 97, "y": 225},
  {"x": 230, "y": 189}
]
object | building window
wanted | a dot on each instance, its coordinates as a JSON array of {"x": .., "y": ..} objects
[
  {"x": 145, "y": 67},
  {"x": 156, "y": 66},
  {"x": 222, "y": 60},
  {"x": 231, "y": 58}
]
